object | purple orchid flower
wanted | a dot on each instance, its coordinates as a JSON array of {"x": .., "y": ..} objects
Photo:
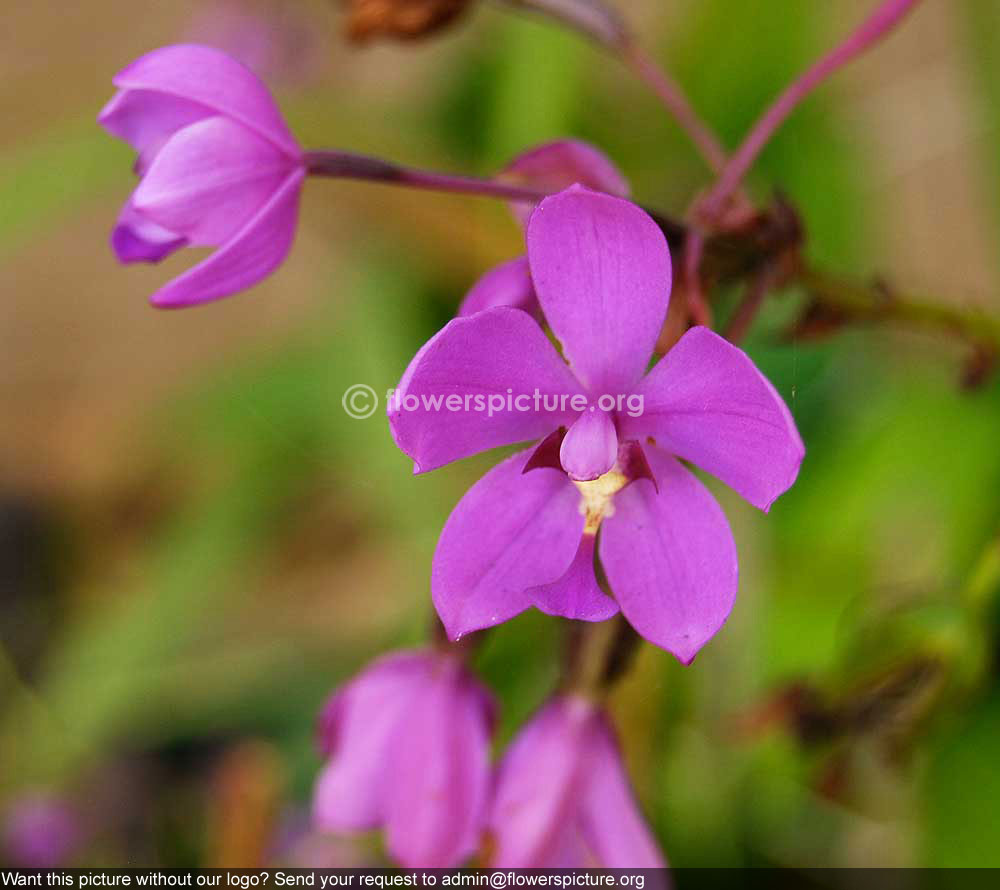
[
  {"x": 563, "y": 799},
  {"x": 549, "y": 167},
  {"x": 218, "y": 167},
  {"x": 409, "y": 747},
  {"x": 526, "y": 533}
]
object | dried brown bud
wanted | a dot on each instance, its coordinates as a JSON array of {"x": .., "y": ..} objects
[{"x": 399, "y": 19}]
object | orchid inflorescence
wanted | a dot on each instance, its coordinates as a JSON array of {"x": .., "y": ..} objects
[{"x": 598, "y": 516}]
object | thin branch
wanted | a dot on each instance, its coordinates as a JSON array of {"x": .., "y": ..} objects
[
  {"x": 697, "y": 305},
  {"x": 875, "y": 302},
  {"x": 756, "y": 291},
  {"x": 873, "y": 29},
  {"x": 347, "y": 165},
  {"x": 620, "y": 654},
  {"x": 676, "y": 102},
  {"x": 603, "y": 24}
]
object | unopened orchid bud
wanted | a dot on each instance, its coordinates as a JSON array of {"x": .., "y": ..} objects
[
  {"x": 408, "y": 742},
  {"x": 563, "y": 799}
]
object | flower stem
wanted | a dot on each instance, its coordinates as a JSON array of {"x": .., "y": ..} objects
[
  {"x": 620, "y": 653},
  {"x": 605, "y": 25},
  {"x": 873, "y": 29},
  {"x": 347, "y": 165},
  {"x": 697, "y": 305},
  {"x": 672, "y": 96},
  {"x": 596, "y": 20},
  {"x": 743, "y": 317}
]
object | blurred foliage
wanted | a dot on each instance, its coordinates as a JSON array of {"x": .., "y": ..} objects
[{"x": 847, "y": 714}]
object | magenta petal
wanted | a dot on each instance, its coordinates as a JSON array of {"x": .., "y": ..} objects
[
  {"x": 558, "y": 165},
  {"x": 508, "y": 284},
  {"x": 209, "y": 77},
  {"x": 146, "y": 120},
  {"x": 601, "y": 269},
  {"x": 487, "y": 366},
  {"x": 510, "y": 531},
  {"x": 590, "y": 447},
  {"x": 437, "y": 806},
  {"x": 670, "y": 558},
  {"x": 253, "y": 253},
  {"x": 563, "y": 799},
  {"x": 706, "y": 402},
  {"x": 137, "y": 239},
  {"x": 359, "y": 725},
  {"x": 576, "y": 594},
  {"x": 209, "y": 179},
  {"x": 612, "y": 825},
  {"x": 535, "y": 813}
]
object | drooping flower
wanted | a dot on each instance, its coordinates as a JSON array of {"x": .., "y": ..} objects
[
  {"x": 408, "y": 745},
  {"x": 547, "y": 168},
  {"x": 217, "y": 167},
  {"x": 40, "y": 830},
  {"x": 526, "y": 533},
  {"x": 562, "y": 797}
]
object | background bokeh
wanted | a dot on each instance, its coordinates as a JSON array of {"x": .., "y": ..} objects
[{"x": 197, "y": 544}]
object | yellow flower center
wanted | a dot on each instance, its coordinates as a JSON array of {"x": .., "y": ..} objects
[{"x": 597, "y": 498}]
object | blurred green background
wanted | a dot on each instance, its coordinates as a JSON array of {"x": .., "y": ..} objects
[{"x": 197, "y": 544}]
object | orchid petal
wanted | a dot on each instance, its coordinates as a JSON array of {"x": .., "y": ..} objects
[
  {"x": 442, "y": 767},
  {"x": 250, "y": 255},
  {"x": 558, "y": 165},
  {"x": 576, "y": 594},
  {"x": 510, "y": 531},
  {"x": 670, "y": 558},
  {"x": 611, "y": 822},
  {"x": 359, "y": 726},
  {"x": 209, "y": 179},
  {"x": 508, "y": 284},
  {"x": 601, "y": 269},
  {"x": 147, "y": 119},
  {"x": 138, "y": 239},
  {"x": 489, "y": 367},
  {"x": 706, "y": 402},
  {"x": 539, "y": 786},
  {"x": 209, "y": 77}
]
